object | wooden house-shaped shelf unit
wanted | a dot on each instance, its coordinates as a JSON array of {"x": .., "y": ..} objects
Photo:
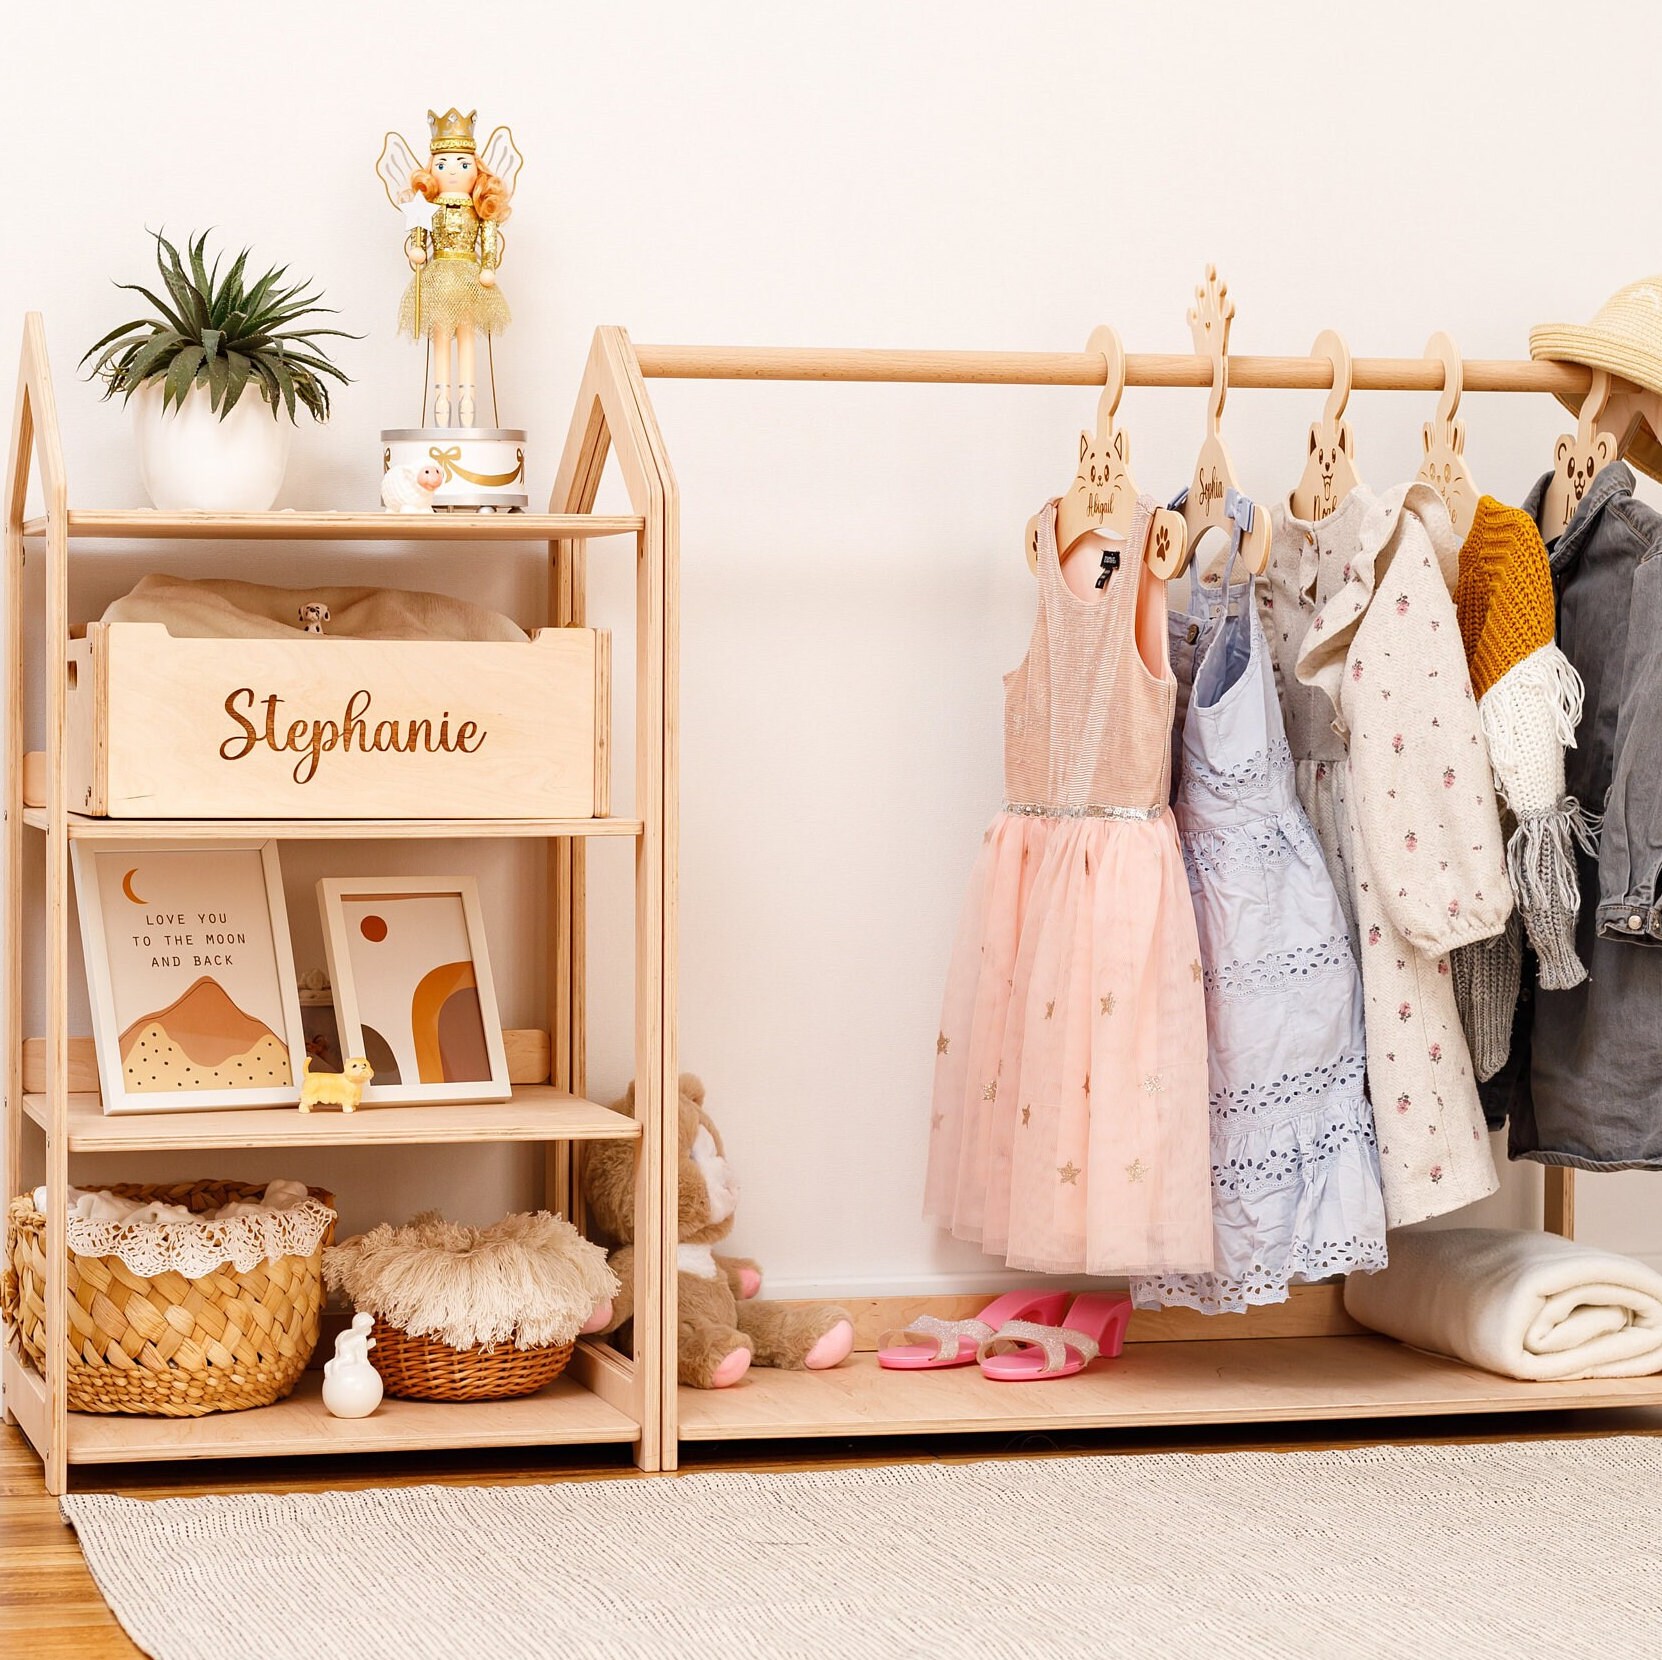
[{"x": 51, "y": 1114}]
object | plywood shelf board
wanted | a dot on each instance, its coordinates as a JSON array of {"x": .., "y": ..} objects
[
  {"x": 526, "y": 1048},
  {"x": 563, "y": 1414},
  {"x": 536, "y": 1112},
  {"x": 83, "y": 828},
  {"x": 1256, "y": 1380},
  {"x": 122, "y": 524}
]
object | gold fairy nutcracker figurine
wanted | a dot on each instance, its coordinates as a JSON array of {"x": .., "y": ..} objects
[{"x": 454, "y": 208}]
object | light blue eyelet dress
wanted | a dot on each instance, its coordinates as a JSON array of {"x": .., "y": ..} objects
[{"x": 1295, "y": 1167}]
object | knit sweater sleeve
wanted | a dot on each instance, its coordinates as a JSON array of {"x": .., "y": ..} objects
[
  {"x": 1528, "y": 716},
  {"x": 1425, "y": 803}
]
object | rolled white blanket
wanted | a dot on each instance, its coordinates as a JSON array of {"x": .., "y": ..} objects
[{"x": 1526, "y": 1305}]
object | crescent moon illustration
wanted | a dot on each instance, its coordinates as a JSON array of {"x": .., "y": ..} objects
[{"x": 127, "y": 887}]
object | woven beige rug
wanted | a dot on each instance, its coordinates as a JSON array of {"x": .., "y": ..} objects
[{"x": 1433, "y": 1553}]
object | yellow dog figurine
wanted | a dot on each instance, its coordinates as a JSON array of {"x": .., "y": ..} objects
[{"x": 335, "y": 1089}]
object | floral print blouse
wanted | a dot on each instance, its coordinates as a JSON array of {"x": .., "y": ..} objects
[{"x": 1428, "y": 857}]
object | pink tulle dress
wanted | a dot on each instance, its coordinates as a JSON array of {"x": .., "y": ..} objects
[{"x": 1070, "y": 1129}]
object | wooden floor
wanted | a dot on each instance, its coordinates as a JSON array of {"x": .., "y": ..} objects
[{"x": 51, "y": 1610}]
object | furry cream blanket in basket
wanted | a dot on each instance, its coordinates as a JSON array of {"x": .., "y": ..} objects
[
  {"x": 529, "y": 1280},
  {"x": 220, "y": 609},
  {"x": 1526, "y": 1305}
]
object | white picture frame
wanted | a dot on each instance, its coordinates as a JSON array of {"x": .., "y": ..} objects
[
  {"x": 402, "y": 992},
  {"x": 207, "y": 951}
]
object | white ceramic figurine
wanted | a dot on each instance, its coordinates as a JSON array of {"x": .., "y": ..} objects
[
  {"x": 351, "y": 1385},
  {"x": 410, "y": 489}
]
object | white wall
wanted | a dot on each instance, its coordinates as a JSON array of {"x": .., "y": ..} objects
[{"x": 975, "y": 175}]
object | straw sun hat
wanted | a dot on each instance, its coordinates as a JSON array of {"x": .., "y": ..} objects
[{"x": 1625, "y": 337}]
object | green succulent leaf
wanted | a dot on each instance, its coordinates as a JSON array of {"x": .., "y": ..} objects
[
  {"x": 241, "y": 372},
  {"x": 214, "y": 330},
  {"x": 180, "y": 375},
  {"x": 219, "y": 379}
]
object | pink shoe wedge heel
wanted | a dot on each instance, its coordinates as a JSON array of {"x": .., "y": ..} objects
[
  {"x": 1027, "y": 1351},
  {"x": 931, "y": 1345}
]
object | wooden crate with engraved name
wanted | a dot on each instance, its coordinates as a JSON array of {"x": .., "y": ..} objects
[{"x": 317, "y": 728}]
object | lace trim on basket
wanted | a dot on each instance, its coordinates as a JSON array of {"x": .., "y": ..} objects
[
  {"x": 1273, "y": 839},
  {"x": 1263, "y": 1283},
  {"x": 1195, "y": 777},
  {"x": 1254, "y": 976},
  {"x": 197, "y": 1248}
]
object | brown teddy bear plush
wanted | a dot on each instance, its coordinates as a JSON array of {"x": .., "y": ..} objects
[{"x": 722, "y": 1329}]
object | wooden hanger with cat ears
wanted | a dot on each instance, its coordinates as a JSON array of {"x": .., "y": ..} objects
[
  {"x": 1578, "y": 456},
  {"x": 1444, "y": 438},
  {"x": 1330, "y": 466},
  {"x": 1103, "y": 495},
  {"x": 1212, "y": 490}
]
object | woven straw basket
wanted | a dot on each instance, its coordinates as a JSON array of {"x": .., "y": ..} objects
[
  {"x": 169, "y": 1347},
  {"x": 427, "y": 1369}
]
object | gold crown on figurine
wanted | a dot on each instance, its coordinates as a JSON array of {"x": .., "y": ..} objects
[{"x": 451, "y": 131}]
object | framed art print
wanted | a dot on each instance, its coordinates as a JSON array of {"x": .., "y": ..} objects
[
  {"x": 190, "y": 974},
  {"x": 322, "y": 1034},
  {"x": 412, "y": 987}
]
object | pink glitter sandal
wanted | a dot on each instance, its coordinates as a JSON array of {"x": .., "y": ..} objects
[
  {"x": 1025, "y": 1351},
  {"x": 929, "y": 1344}
]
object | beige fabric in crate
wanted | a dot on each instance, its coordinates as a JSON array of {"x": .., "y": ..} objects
[{"x": 220, "y": 609}]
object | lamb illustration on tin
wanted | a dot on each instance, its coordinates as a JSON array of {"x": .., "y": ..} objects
[{"x": 334, "y": 1089}]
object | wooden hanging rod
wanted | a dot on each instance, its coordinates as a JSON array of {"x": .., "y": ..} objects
[{"x": 1369, "y": 374}]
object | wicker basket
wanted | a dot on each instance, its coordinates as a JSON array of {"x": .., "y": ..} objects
[
  {"x": 169, "y": 1347},
  {"x": 426, "y": 1369}
]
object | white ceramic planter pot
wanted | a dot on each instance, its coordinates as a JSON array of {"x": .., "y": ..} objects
[{"x": 192, "y": 461}]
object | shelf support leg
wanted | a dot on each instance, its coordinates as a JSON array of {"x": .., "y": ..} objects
[{"x": 1558, "y": 1196}]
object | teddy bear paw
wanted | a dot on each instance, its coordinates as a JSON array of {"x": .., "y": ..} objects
[
  {"x": 832, "y": 1349},
  {"x": 750, "y": 1282},
  {"x": 732, "y": 1368},
  {"x": 600, "y": 1319}
]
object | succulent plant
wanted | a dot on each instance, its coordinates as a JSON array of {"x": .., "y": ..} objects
[{"x": 224, "y": 334}]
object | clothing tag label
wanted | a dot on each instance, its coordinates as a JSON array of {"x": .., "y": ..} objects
[{"x": 1110, "y": 564}]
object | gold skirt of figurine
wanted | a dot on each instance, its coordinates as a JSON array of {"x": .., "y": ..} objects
[{"x": 452, "y": 297}]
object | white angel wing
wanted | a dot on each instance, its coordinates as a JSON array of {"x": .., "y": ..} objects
[
  {"x": 501, "y": 156},
  {"x": 397, "y": 162}
]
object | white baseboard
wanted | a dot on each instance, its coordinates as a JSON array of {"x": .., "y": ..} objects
[{"x": 993, "y": 1280}]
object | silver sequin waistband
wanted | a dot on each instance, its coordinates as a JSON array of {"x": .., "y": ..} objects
[{"x": 1038, "y": 809}]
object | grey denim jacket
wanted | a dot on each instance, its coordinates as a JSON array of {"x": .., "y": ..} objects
[{"x": 1590, "y": 1091}]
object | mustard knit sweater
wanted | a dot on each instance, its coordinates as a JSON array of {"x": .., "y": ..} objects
[{"x": 1529, "y": 700}]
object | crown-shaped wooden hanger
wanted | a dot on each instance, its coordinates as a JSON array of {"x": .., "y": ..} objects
[
  {"x": 1213, "y": 486},
  {"x": 1103, "y": 495},
  {"x": 1444, "y": 464},
  {"x": 1330, "y": 466},
  {"x": 1578, "y": 457}
]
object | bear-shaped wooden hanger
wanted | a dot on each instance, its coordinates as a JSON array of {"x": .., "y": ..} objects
[
  {"x": 1443, "y": 465},
  {"x": 1211, "y": 487},
  {"x": 1578, "y": 457},
  {"x": 1103, "y": 495},
  {"x": 1330, "y": 464}
]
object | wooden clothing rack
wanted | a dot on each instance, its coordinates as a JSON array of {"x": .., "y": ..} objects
[{"x": 1301, "y": 1360}]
